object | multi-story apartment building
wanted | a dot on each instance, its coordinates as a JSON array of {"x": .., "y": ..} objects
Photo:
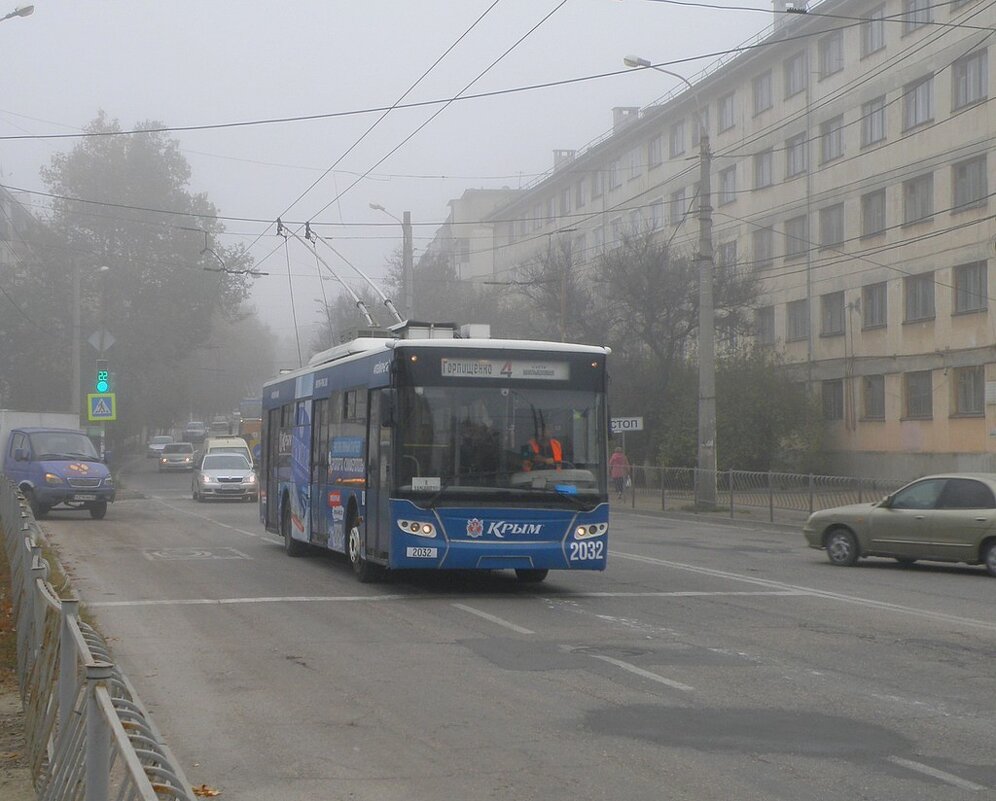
[
  {"x": 465, "y": 238},
  {"x": 850, "y": 168}
]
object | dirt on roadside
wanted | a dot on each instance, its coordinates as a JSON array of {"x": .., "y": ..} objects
[{"x": 15, "y": 778}]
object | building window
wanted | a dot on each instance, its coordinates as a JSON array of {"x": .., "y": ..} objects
[
  {"x": 796, "y": 320},
  {"x": 726, "y": 255},
  {"x": 795, "y": 155},
  {"x": 796, "y": 74},
  {"x": 833, "y": 399},
  {"x": 580, "y": 194},
  {"x": 832, "y": 225},
  {"x": 634, "y": 222},
  {"x": 970, "y": 183},
  {"x": 916, "y": 14},
  {"x": 873, "y": 397},
  {"x": 763, "y": 247},
  {"x": 763, "y": 97},
  {"x": 918, "y": 199},
  {"x": 763, "y": 169},
  {"x": 727, "y": 112},
  {"x": 679, "y": 207},
  {"x": 565, "y": 200},
  {"x": 598, "y": 237},
  {"x": 919, "y": 395},
  {"x": 764, "y": 325},
  {"x": 635, "y": 164},
  {"x": 873, "y": 213},
  {"x": 970, "y": 391},
  {"x": 971, "y": 287},
  {"x": 677, "y": 146},
  {"x": 700, "y": 123},
  {"x": 728, "y": 185},
  {"x": 832, "y": 139},
  {"x": 796, "y": 237},
  {"x": 874, "y": 306},
  {"x": 832, "y": 314},
  {"x": 970, "y": 79},
  {"x": 918, "y": 102},
  {"x": 873, "y": 32},
  {"x": 655, "y": 151},
  {"x": 597, "y": 183},
  {"x": 831, "y": 53},
  {"x": 657, "y": 213},
  {"x": 616, "y": 231},
  {"x": 873, "y": 121},
  {"x": 919, "y": 291},
  {"x": 615, "y": 175}
]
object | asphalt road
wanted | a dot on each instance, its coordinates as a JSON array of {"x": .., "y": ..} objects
[{"x": 710, "y": 661}]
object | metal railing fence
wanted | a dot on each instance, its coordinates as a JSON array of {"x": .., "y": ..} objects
[
  {"x": 89, "y": 737},
  {"x": 764, "y": 494}
]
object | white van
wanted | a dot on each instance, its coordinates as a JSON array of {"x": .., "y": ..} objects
[{"x": 226, "y": 445}]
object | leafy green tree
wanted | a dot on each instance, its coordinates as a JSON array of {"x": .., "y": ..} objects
[
  {"x": 170, "y": 281},
  {"x": 765, "y": 420}
]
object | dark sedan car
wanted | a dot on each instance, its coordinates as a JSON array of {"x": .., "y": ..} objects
[
  {"x": 944, "y": 518},
  {"x": 224, "y": 475}
]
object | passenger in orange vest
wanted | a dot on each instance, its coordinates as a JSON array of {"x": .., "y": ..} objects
[{"x": 542, "y": 452}]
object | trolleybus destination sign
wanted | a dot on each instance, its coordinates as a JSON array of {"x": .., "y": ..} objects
[{"x": 498, "y": 368}]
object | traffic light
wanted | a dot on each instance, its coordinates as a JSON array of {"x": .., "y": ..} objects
[{"x": 103, "y": 379}]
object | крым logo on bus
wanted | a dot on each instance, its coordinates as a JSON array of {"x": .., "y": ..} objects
[{"x": 502, "y": 528}]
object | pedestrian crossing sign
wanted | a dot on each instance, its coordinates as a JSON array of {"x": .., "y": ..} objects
[{"x": 101, "y": 407}]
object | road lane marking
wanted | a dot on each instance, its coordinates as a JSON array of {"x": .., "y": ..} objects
[
  {"x": 254, "y": 534},
  {"x": 940, "y": 775},
  {"x": 262, "y": 600},
  {"x": 638, "y": 671},
  {"x": 926, "y": 614},
  {"x": 494, "y": 619},
  {"x": 414, "y": 597}
]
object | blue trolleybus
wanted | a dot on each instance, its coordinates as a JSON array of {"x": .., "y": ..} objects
[{"x": 408, "y": 452}]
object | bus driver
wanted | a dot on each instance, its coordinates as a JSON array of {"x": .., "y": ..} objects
[{"x": 542, "y": 452}]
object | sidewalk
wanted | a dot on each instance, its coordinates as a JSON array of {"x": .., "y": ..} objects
[{"x": 682, "y": 505}]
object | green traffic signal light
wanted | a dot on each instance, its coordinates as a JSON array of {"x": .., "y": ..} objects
[{"x": 103, "y": 382}]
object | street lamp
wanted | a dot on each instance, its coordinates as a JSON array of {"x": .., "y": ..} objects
[
  {"x": 20, "y": 11},
  {"x": 407, "y": 266},
  {"x": 705, "y": 478}
]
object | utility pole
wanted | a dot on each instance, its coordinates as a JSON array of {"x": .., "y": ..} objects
[
  {"x": 705, "y": 484},
  {"x": 406, "y": 264},
  {"x": 77, "y": 400}
]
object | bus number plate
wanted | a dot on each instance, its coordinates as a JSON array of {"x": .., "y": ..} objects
[
  {"x": 421, "y": 553},
  {"x": 587, "y": 550}
]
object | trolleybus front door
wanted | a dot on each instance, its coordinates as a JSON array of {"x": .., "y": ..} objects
[{"x": 379, "y": 438}]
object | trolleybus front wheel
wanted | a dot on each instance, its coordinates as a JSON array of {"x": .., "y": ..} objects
[{"x": 364, "y": 571}]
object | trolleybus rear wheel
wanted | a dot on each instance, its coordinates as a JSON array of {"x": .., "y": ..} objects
[{"x": 292, "y": 546}]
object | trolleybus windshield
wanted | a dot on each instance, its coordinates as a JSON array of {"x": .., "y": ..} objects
[{"x": 461, "y": 441}]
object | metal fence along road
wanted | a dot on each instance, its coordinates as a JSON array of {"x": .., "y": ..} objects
[
  {"x": 782, "y": 497},
  {"x": 89, "y": 737}
]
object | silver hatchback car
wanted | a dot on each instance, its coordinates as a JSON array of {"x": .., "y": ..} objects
[
  {"x": 943, "y": 518},
  {"x": 224, "y": 475}
]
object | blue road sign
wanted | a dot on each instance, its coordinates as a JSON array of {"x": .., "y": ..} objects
[{"x": 101, "y": 407}]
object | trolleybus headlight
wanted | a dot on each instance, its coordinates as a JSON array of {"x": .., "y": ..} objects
[
  {"x": 418, "y": 528},
  {"x": 590, "y": 530}
]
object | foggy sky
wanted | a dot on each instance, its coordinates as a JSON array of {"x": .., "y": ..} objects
[{"x": 190, "y": 63}]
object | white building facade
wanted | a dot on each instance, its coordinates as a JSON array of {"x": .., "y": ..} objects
[{"x": 851, "y": 169}]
